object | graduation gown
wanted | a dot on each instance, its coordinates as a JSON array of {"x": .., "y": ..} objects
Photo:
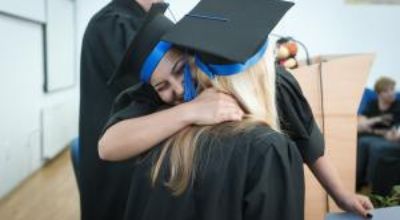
[
  {"x": 106, "y": 38},
  {"x": 297, "y": 122},
  {"x": 296, "y": 117},
  {"x": 252, "y": 175}
]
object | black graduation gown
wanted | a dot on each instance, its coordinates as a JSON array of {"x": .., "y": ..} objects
[
  {"x": 107, "y": 36},
  {"x": 253, "y": 175},
  {"x": 296, "y": 117},
  {"x": 296, "y": 120}
]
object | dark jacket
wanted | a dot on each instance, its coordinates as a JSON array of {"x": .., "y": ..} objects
[{"x": 103, "y": 185}]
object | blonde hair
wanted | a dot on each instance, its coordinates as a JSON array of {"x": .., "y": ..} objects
[{"x": 254, "y": 89}]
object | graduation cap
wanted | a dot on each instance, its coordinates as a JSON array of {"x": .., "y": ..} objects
[
  {"x": 227, "y": 36},
  {"x": 146, "y": 50}
]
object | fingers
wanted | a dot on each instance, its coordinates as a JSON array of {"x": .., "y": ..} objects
[
  {"x": 365, "y": 202},
  {"x": 387, "y": 119},
  {"x": 228, "y": 117},
  {"x": 230, "y": 105},
  {"x": 212, "y": 92},
  {"x": 362, "y": 206},
  {"x": 229, "y": 114},
  {"x": 229, "y": 110},
  {"x": 216, "y": 107},
  {"x": 225, "y": 101},
  {"x": 216, "y": 93},
  {"x": 359, "y": 209},
  {"x": 231, "y": 102}
]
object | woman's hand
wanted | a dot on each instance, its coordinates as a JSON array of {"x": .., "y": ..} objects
[
  {"x": 392, "y": 135},
  {"x": 213, "y": 107},
  {"x": 385, "y": 119},
  {"x": 327, "y": 175},
  {"x": 131, "y": 137},
  {"x": 352, "y": 202}
]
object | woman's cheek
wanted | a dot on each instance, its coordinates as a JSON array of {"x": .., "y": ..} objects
[{"x": 166, "y": 96}]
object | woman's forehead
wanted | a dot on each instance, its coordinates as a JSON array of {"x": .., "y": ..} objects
[
  {"x": 173, "y": 55},
  {"x": 171, "y": 58},
  {"x": 164, "y": 68}
]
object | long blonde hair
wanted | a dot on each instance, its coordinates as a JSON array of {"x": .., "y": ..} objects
[{"x": 254, "y": 89}]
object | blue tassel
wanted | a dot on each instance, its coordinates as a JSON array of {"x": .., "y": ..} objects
[{"x": 189, "y": 89}]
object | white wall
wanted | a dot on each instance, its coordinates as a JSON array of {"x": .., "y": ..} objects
[
  {"x": 31, "y": 9},
  {"x": 36, "y": 125},
  {"x": 181, "y": 7},
  {"x": 60, "y": 44},
  {"x": 21, "y": 72},
  {"x": 334, "y": 27},
  {"x": 85, "y": 9},
  {"x": 27, "y": 112}
]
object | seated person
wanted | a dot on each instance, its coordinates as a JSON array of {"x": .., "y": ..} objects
[
  {"x": 378, "y": 130},
  {"x": 128, "y": 135}
]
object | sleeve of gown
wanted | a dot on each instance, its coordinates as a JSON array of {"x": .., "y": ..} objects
[
  {"x": 108, "y": 52},
  {"x": 296, "y": 117},
  {"x": 136, "y": 101},
  {"x": 275, "y": 183}
]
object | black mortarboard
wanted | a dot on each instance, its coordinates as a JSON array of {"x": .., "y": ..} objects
[
  {"x": 145, "y": 50},
  {"x": 227, "y": 31}
]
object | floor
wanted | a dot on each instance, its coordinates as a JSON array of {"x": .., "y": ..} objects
[{"x": 49, "y": 194}]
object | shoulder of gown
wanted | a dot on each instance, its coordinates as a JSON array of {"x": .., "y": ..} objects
[
  {"x": 136, "y": 101},
  {"x": 296, "y": 117},
  {"x": 275, "y": 178},
  {"x": 101, "y": 51}
]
